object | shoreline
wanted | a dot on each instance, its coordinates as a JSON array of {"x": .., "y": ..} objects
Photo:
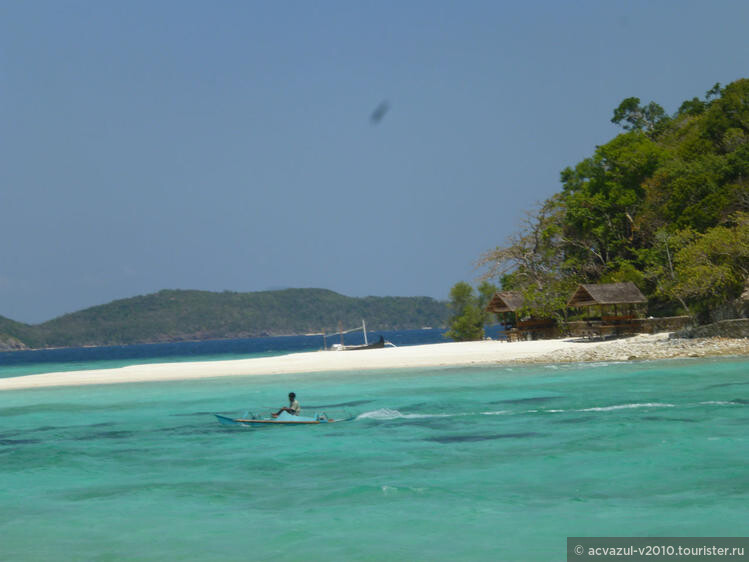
[{"x": 452, "y": 354}]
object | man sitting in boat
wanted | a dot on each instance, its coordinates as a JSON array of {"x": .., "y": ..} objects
[{"x": 293, "y": 407}]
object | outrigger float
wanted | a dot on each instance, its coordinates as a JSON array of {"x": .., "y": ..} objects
[{"x": 284, "y": 418}]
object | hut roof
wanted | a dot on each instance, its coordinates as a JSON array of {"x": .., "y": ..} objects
[
  {"x": 509, "y": 301},
  {"x": 607, "y": 293}
]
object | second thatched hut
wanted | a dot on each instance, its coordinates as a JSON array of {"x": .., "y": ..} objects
[{"x": 507, "y": 305}]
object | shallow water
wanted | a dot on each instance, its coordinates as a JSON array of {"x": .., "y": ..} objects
[{"x": 495, "y": 463}]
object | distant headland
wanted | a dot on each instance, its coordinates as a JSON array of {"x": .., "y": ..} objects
[{"x": 184, "y": 315}]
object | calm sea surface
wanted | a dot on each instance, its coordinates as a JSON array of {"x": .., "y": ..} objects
[{"x": 499, "y": 463}]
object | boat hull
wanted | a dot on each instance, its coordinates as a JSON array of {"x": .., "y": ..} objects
[
  {"x": 286, "y": 419},
  {"x": 376, "y": 345}
]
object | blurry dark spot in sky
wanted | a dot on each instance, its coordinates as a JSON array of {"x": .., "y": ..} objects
[{"x": 379, "y": 112}]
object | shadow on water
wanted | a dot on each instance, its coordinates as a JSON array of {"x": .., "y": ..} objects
[
  {"x": 199, "y": 489},
  {"x": 46, "y": 428},
  {"x": 469, "y": 438},
  {"x": 104, "y": 435},
  {"x": 727, "y": 384},
  {"x": 429, "y": 423},
  {"x": 13, "y": 442},
  {"x": 59, "y": 427},
  {"x": 66, "y": 408},
  {"x": 6, "y": 434},
  {"x": 585, "y": 419},
  {"x": 664, "y": 418},
  {"x": 417, "y": 406},
  {"x": 198, "y": 429},
  {"x": 526, "y": 400}
]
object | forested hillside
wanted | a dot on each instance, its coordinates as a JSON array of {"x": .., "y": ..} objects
[
  {"x": 196, "y": 315},
  {"x": 14, "y": 334},
  {"x": 664, "y": 204}
]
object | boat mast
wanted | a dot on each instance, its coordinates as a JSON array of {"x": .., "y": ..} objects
[{"x": 364, "y": 329}]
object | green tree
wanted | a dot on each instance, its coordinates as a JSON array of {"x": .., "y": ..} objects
[
  {"x": 486, "y": 291},
  {"x": 713, "y": 269},
  {"x": 632, "y": 116},
  {"x": 467, "y": 320},
  {"x": 534, "y": 263},
  {"x": 730, "y": 110},
  {"x": 652, "y": 206},
  {"x": 602, "y": 197}
]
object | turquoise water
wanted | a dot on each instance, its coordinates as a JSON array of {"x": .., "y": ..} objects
[
  {"x": 498, "y": 463},
  {"x": 22, "y": 369}
]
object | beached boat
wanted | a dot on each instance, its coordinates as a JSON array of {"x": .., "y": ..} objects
[
  {"x": 284, "y": 418},
  {"x": 343, "y": 347},
  {"x": 376, "y": 345}
]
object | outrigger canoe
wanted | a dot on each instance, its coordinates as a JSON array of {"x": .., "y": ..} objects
[{"x": 283, "y": 419}]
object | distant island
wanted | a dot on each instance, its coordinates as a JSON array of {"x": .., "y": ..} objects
[{"x": 182, "y": 315}]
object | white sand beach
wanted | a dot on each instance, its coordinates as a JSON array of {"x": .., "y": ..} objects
[{"x": 645, "y": 346}]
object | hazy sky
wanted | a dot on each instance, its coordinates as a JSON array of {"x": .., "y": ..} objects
[{"x": 229, "y": 145}]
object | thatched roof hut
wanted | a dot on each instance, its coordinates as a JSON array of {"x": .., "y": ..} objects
[
  {"x": 507, "y": 304},
  {"x": 509, "y": 301},
  {"x": 606, "y": 294}
]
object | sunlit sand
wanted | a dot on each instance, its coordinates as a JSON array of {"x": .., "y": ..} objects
[{"x": 421, "y": 356}]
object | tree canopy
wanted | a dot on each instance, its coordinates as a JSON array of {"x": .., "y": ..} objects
[
  {"x": 469, "y": 313},
  {"x": 663, "y": 204}
]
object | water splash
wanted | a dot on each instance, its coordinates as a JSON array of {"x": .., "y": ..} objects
[{"x": 626, "y": 407}]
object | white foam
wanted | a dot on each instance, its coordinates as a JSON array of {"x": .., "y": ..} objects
[
  {"x": 381, "y": 414},
  {"x": 388, "y": 414},
  {"x": 626, "y": 406},
  {"x": 391, "y": 490},
  {"x": 497, "y": 413}
]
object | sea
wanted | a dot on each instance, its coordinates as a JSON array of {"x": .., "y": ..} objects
[{"x": 472, "y": 463}]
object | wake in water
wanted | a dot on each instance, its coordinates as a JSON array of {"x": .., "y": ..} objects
[
  {"x": 385, "y": 414},
  {"x": 388, "y": 414},
  {"x": 626, "y": 407}
]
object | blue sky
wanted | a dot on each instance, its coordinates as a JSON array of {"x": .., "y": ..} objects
[{"x": 228, "y": 145}]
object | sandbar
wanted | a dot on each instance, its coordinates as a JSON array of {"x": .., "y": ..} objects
[{"x": 452, "y": 354}]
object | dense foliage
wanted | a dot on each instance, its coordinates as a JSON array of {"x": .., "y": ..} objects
[
  {"x": 468, "y": 311},
  {"x": 197, "y": 315},
  {"x": 664, "y": 204}
]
